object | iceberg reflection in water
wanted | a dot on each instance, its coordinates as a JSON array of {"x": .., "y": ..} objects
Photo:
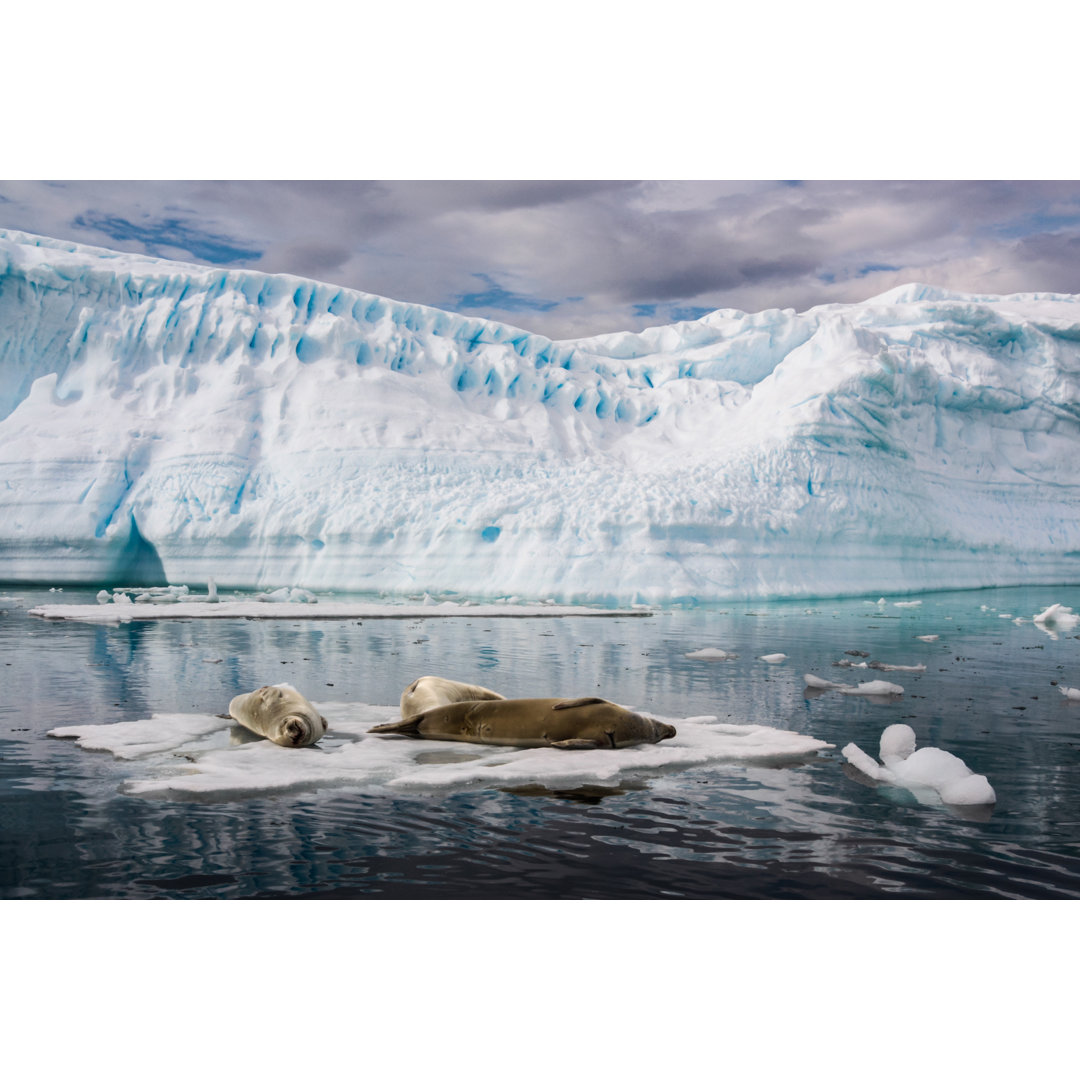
[{"x": 181, "y": 813}]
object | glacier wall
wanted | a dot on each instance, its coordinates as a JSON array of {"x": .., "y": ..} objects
[{"x": 169, "y": 422}]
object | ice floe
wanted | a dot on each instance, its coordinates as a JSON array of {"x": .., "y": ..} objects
[
  {"x": 125, "y": 610},
  {"x": 874, "y": 688},
  {"x": 921, "y": 771},
  {"x": 196, "y": 757},
  {"x": 1070, "y": 692},
  {"x": 711, "y": 654},
  {"x": 774, "y": 658}
]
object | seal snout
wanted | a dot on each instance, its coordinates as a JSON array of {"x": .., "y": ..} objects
[{"x": 666, "y": 731}]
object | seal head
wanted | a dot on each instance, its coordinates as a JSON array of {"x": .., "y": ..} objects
[{"x": 281, "y": 714}]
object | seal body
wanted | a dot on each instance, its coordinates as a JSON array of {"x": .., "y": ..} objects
[
  {"x": 279, "y": 713},
  {"x": 431, "y": 691},
  {"x": 579, "y": 724}
]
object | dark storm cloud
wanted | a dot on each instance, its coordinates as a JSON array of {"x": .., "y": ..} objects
[{"x": 571, "y": 258}]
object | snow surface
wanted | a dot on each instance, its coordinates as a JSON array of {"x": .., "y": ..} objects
[
  {"x": 115, "y": 613},
  {"x": 204, "y": 757},
  {"x": 924, "y": 771},
  {"x": 161, "y": 421}
]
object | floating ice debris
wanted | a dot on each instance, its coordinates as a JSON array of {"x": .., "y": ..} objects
[
  {"x": 877, "y": 665},
  {"x": 849, "y": 663},
  {"x": 927, "y": 637},
  {"x": 710, "y": 654},
  {"x": 1070, "y": 692},
  {"x": 202, "y": 757},
  {"x": 1055, "y": 618},
  {"x": 815, "y": 682},
  {"x": 774, "y": 658},
  {"x": 907, "y": 603},
  {"x": 875, "y": 688},
  {"x": 920, "y": 770}
]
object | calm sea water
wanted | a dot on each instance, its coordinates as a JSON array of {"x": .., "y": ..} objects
[{"x": 711, "y": 832}]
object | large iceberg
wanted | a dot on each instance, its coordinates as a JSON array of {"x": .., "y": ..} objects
[{"x": 166, "y": 422}]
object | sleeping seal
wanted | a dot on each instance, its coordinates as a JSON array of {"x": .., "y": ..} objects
[
  {"x": 579, "y": 724},
  {"x": 279, "y": 713},
  {"x": 431, "y": 691}
]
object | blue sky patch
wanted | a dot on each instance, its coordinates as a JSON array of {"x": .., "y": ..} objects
[
  {"x": 646, "y": 311},
  {"x": 171, "y": 233},
  {"x": 688, "y": 313},
  {"x": 497, "y": 297}
]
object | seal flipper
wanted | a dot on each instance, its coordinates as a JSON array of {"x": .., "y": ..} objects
[
  {"x": 578, "y": 702},
  {"x": 577, "y": 744},
  {"x": 409, "y": 727}
]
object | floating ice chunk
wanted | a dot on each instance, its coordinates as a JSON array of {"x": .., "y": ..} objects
[
  {"x": 814, "y": 682},
  {"x": 907, "y": 603},
  {"x": 710, "y": 654},
  {"x": 928, "y": 768},
  {"x": 927, "y": 637},
  {"x": 203, "y": 758},
  {"x": 1055, "y": 618},
  {"x": 104, "y": 596},
  {"x": 875, "y": 688},
  {"x": 1070, "y": 692},
  {"x": 774, "y": 658}
]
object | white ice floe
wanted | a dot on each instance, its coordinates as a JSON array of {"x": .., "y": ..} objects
[
  {"x": 926, "y": 770},
  {"x": 907, "y": 603},
  {"x": 1070, "y": 692},
  {"x": 1056, "y": 618},
  {"x": 710, "y": 654},
  {"x": 927, "y": 637},
  {"x": 124, "y": 610},
  {"x": 875, "y": 688},
  {"x": 774, "y": 658},
  {"x": 205, "y": 757}
]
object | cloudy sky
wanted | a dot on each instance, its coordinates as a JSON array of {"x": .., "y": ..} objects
[{"x": 571, "y": 258}]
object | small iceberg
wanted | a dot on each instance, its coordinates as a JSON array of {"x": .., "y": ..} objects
[
  {"x": 926, "y": 769},
  {"x": 710, "y": 654},
  {"x": 1056, "y": 617},
  {"x": 774, "y": 658},
  {"x": 1071, "y": 693}
]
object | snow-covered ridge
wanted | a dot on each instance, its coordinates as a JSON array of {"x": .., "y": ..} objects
[{"x": 160, "y": 420}]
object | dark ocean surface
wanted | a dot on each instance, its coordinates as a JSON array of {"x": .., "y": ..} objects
[{"x": 717, "y": 831}]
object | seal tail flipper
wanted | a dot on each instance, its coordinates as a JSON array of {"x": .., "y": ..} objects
[
  {"x": 578, "y": 702},
  {"x": 577, "y": 744},
  {"x": 400, "y": 727}
]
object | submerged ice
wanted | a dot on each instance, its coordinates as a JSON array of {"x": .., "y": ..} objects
[{"x": 168, "y": 423}]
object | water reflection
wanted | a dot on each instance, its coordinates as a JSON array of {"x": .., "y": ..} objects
[{"x": 987, "y": 695}]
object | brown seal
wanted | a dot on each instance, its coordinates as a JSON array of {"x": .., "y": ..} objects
[
  {"x": 279, "y": 713},
  {"x": 579, "y": 724}
]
